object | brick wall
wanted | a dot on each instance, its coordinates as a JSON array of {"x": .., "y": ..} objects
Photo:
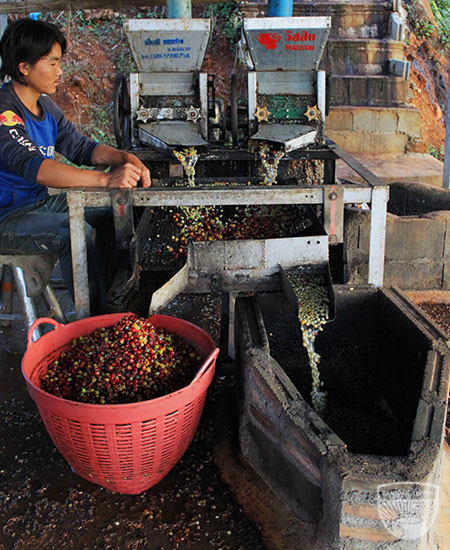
[{"x": 417, "y": 253}]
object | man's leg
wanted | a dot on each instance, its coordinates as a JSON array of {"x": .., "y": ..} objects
[{"x": 45, "y": 229}]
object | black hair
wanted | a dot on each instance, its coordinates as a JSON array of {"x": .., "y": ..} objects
[{"x": 27, "y": 40}]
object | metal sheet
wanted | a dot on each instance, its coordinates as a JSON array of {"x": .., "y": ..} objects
[
  {"x": 251, "y": 194},
  {"x": 287, "y": 43},
  {"x": 166, "y": 84},
  {"x": 292, "y": 82},
  {"x": 174, "y": 133},
  {"x": 292, "y": 136},
  {"x": 172, "y": 45}
]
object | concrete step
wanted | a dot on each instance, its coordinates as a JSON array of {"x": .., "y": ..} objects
[
  {"x": 405, "y": 168},
  {"x": 349, "y": 19},
  {"x": 384, "y": 130},
  {"x": 373, "y": 90},
  {"x": 358, "y": 56}
]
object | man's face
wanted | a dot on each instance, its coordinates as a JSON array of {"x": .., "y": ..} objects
[{"x": 44, "y": 76}]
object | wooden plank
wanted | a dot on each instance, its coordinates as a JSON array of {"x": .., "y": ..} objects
[{"x": 28, "y": 6}]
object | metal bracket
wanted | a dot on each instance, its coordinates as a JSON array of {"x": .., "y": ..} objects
[
  {"x": 333, "y": 201},
  {"x": 122, "y": 207}
]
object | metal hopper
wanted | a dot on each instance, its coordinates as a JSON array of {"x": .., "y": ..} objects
[{"x": 286, "y": 91}]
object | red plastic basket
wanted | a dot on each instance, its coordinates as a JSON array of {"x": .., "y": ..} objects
[{"x": 126, "y": 448}]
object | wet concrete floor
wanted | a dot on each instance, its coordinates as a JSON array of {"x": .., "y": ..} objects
[{"x": 44, "y": 505}]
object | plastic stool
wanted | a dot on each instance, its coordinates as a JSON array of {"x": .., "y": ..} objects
[{"x": 32, "y": 278}]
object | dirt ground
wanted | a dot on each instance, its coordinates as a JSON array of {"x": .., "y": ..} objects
[{"x": 429, "y": 77}]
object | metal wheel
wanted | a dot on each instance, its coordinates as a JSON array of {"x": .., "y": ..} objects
[
  {"x": 122, "y": 112},
  {"x": 234, "y": 110}
]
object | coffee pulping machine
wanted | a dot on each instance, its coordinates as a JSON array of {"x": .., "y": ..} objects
[{"x": 169, "y": 105}]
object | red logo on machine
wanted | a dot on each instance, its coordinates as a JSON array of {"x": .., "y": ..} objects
[
  {"x": 269, "y": 39},
  {"x": 9, "y": 118},
  {"x": 300, "y": 36}
]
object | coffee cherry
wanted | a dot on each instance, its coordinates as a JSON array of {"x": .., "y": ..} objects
[{"x": 127, "y": 362}]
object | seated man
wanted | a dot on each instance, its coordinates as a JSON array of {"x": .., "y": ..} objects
[{"x": 32, "y": 128}]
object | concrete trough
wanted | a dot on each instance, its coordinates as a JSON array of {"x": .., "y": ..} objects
[{"x": 386, "y": 369}]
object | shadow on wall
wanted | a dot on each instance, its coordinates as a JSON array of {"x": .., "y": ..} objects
[{"x": 415, "y": 199}]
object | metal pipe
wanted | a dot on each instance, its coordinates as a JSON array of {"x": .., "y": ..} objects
[
  {"x": 179, "y": 9},
  {"x": 55, "y": 308},
  {"x": 29, "y": 307},
  {"x": 280, "y": 8}
]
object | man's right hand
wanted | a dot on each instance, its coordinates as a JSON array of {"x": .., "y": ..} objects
[{"x": 125, "y": 176}]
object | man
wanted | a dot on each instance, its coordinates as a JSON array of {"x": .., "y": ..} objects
[{"x": 32, "y": 128}]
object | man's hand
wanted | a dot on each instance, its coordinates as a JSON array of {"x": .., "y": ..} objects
[
  {"x": 125, "y": 176},
  {"x": 145, "y": 172},
  {"x": 103, "y": 154}
]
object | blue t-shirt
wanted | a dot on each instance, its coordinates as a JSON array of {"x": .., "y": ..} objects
[{"x": 26, "y": 141}]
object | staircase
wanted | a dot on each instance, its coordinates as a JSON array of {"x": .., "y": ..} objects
[{"x": 368, "y": 86}]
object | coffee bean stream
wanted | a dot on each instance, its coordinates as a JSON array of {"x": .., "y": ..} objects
[{"x": 313, "y": 313}]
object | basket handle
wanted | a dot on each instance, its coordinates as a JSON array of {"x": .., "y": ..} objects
[
  {"x": 206, "y": 366},
  {"x": 37, "y": 323}
]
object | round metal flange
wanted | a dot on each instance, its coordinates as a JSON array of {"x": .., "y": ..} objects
[
  {"x": 312, "y": 113},
  {"x": 143, "y": 114},
  {"x": 262, "y": 114},
  {"x": 193, "y": 114}
]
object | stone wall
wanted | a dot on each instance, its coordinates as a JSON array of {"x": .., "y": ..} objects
[{"x": 417, "y": 253}]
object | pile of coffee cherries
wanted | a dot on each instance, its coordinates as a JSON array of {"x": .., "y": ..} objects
[
  {"x": 128, "y": 362},
  {"x": 250, "y": 222}
]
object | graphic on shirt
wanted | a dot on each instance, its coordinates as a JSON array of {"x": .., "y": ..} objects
[{"x": 9, "y": 118}]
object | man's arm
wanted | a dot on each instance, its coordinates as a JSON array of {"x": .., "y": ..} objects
[{"x": 128, "y": 171}]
